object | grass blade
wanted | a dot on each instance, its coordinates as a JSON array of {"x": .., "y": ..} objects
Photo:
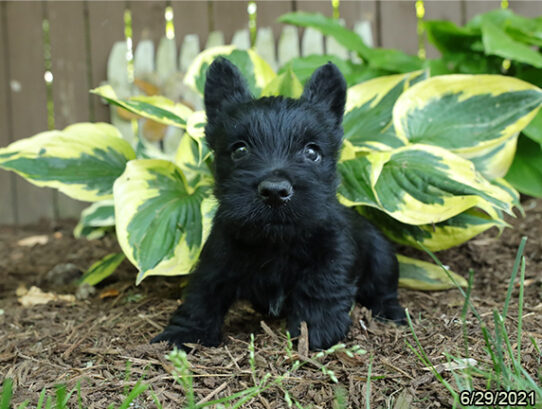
[
  {"x": 7, "y": 391},
  {"x": 514, "y": 274}
]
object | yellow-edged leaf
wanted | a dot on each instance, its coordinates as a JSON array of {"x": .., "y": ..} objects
[
  {"x": 475, "y": 116},
  {"x": 82, "y": 161},
  {"x": 421, "y": 275},
  {"x": 419, "y": 184},
  {"x": 159, "y": 218},
  {"x": 255, "y": 69}
]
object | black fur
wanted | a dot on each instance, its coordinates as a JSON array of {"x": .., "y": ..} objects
[{"x": 287, "y": 245}]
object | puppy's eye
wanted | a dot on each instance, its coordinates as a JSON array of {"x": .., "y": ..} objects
[
  {"x": 239, "y": 151},
  {"x": 312, "y": 153}
]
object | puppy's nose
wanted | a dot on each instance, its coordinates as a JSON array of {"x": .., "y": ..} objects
[{"x": 275, "y": 191}]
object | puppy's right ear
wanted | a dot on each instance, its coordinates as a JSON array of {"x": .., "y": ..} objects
[{"x": 224, "y": 85}]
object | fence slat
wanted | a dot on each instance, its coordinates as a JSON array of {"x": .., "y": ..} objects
[
  {"x": 269, "y": 11},
  {"x": 229, "y": 16},
  {"x": 214, "y": 39},
  {"x": 190, "y": 17},
  {"x": 189, "y": 50},
  {"x": 106, "y": 27},
  {"x": 148, "y": 22},
  {"x": 312, "y": 42},
  {"x": 28, "y": 97},
  {"x": 117, "y": 77},
  {"x": 7, "y": 180},
  {"x": 441, "y": 10},
  {"x": 333, "y": 47},
  {"x": 473, "y": 8},
  {"x": 70, "y": 70},
  {"x": 265, "y": 46},
  {"x": 288, "y": 45},
  {"x": 241, "y": 39},
  {"x": 144, "y": 59},
  {"x": 527, "y": 8},
  {"x": 399, "y": 26}
]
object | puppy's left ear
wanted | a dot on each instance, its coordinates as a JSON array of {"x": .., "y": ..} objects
[
  {"x": 224, "y": 85},
  {"x": 327, "y": 87}
]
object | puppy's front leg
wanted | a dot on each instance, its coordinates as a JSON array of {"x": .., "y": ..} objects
[
  {"x": 209, "y": 295},
  {"x": 323, "y": 302}
]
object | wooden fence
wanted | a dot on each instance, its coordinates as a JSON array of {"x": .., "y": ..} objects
[{"x": 76, "y": 44}]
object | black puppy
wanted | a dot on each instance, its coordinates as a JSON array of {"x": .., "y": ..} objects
[{"x": 280, "y": 238}]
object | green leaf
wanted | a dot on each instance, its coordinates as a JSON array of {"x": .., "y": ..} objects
[
  {"x": 95, "y": 220},
  {"x": 522, "y": 29},
  {"x": 285, "y": 84},
  {"x": 421, "y": 275},
  {"x": 419, "y": 184},
  {"x": 102, "y": 269},
  {"x": 378, "y": 58},
  {"x": 330, "y": 27},
  {"x": 436, "y": 237},
  {"x": 525, "y": 174},
  {"x": 369, "y": 106},
  {"x": 394, "y": 60},
  {"x": 81, "y": 161},
  {"x": 497, "y": 42},
  {"x": 157, "y": 108},
  {"x": 7, "y": 391},
  {"x": 448, "y": 37},
  {"x": 475, "y": 116},
  {"x": 161, "y": 221},
  {"x": 255, "y": 69},
  {"x": 534, "y": 129},
  {"x": 303, "y": 67}
]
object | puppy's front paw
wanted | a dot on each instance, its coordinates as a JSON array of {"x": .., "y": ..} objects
[
  {"x": 178, "y": 336},
  {"x": 391, "y": 312}
]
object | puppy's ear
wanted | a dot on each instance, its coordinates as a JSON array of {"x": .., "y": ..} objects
[
  {"x": 224, "y": 85},
  {"x": 327, "y": 87}
]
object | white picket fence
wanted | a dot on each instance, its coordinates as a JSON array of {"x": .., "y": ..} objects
[{"x": 166, "y": 69}]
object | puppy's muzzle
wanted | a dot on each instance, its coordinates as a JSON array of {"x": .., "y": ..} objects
[{"x": 275, "y": 191}]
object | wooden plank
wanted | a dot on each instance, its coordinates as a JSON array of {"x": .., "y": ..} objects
[
  {"x": 353, "y": 12},
  {"x": 268, "y": 12},
  {"x": 8, "y": 202},
  {"x": 190, "y": 17},
  {"x": 28, "y": 97},
  {"x": 449, "y": 10},
  {"x": 148, "y": 21},
  {"x": 229, "y": 16},
  {"x": 106, "y": 28},
  {"x": 473, "y": 8},
  {"x": 70, "y": 71},
  {"x": 527, "y": 8},
  {"x": 399, "y": 25}
]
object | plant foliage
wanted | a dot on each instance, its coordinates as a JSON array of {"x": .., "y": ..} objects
[{"x": 422, "y": 158}]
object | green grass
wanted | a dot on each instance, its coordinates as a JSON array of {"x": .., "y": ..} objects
[{"x": 505, "y": 371}]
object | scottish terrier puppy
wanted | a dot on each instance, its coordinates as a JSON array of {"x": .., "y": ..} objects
[{"x": 280, "y": 238}]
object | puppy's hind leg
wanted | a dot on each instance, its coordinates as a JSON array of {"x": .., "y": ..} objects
[{"x": 377, "y": 286}]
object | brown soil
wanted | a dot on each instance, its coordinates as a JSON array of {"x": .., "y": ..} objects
[{"x": 90, "y": 341}]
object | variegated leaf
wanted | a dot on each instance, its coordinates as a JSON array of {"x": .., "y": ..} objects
[
  {"x": 475, "y": 116},
  {"x": 368, "y": 115},
  {"x": 254, "y": 68},
  {"x": 435, "y": 237},
  {"x": 419, "y": 184},
  {"x": 421, "y": 275},
  {"x": 157, "y": 108},
  {"x": 95, "y": 220},
  {"x": 161, "y": 221},
  {"x": 81, "y": 161}
]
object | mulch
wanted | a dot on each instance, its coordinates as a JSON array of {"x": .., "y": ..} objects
[{"x": 90, "y": 341}]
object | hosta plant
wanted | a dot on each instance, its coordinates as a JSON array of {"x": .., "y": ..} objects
[{"x": 423, "y": 158}]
